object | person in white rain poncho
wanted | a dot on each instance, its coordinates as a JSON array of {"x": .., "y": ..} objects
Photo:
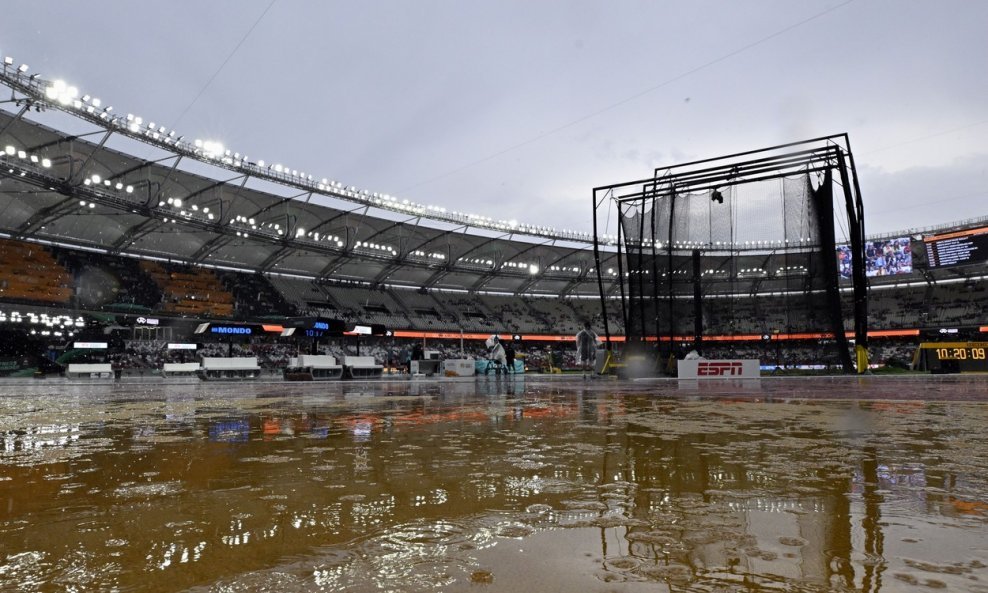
[
  {"x": 586, "y": 349},
  {"x": 496, "y": 353}
]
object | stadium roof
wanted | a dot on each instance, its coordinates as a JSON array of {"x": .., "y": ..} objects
[{"x": 68, "y": 189}]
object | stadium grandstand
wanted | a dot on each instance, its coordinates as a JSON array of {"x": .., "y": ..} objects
[{"x": 117, "y": 229}]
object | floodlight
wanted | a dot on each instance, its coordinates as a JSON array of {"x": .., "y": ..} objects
[
  {"x": 8, "y": 61},
  {"x": 22, "y": 68},
  {"x": 211, "y": 148}
]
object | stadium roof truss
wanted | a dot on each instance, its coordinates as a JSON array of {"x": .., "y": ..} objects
[
  {"x": 77, "y": 190},
  {"x": 44, "y": 94}
]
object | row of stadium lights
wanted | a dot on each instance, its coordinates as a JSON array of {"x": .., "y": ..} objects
[
  {"x": 724, "y": 244},
  {"x": 54, "y": 322},
  {"x": 96, "y": 180},
  {"x": 791, "y": 270},
  {"x": 12, "y": 151},
  {"x": 67, "y": 96},
  {"x": 518, "y": 265},
  {"x": 375, "y": 247},
  {"x": 783, "y": 271},
  {"x": 532, "y": 268},
  {"x": 300, "y": 233},
  {"x": 433, "y": 255}
]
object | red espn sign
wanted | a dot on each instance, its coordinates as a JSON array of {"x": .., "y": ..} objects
[
  {"x": 719, "y": 369},
  {"x": 700, "y": 368}
]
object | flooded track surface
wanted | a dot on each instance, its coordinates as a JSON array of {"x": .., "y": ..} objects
[{"x": 525, "y": 485}]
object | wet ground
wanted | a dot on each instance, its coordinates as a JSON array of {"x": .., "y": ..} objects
[{"x": 875, "y": 484}]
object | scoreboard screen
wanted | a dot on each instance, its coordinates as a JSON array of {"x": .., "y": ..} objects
[
  {"x": 960, "y": 248},
  {"x": 954, "y": 357}
]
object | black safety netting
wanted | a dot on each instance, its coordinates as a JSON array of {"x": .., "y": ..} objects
[{"x": 736, "y": 264}]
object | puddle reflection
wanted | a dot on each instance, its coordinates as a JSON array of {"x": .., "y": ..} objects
[{"x": 450, "y": 487}]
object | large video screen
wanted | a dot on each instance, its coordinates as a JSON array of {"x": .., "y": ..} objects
[
  {"x": 886, "y": 257},
  {"x": 957, "y": 249}
]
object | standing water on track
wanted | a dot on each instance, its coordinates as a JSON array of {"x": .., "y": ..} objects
[{"x": 509, "y": 486}]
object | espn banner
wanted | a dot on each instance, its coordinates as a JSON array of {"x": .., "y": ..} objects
[{"x": 719, "y": 369}]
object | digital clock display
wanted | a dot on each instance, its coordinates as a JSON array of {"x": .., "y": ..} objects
[
  {"x": 962, "y": 353},
  {"x": 952, "y": 357}
]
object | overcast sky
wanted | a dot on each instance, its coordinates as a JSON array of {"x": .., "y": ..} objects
[{"x": 517, "y": 109}]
